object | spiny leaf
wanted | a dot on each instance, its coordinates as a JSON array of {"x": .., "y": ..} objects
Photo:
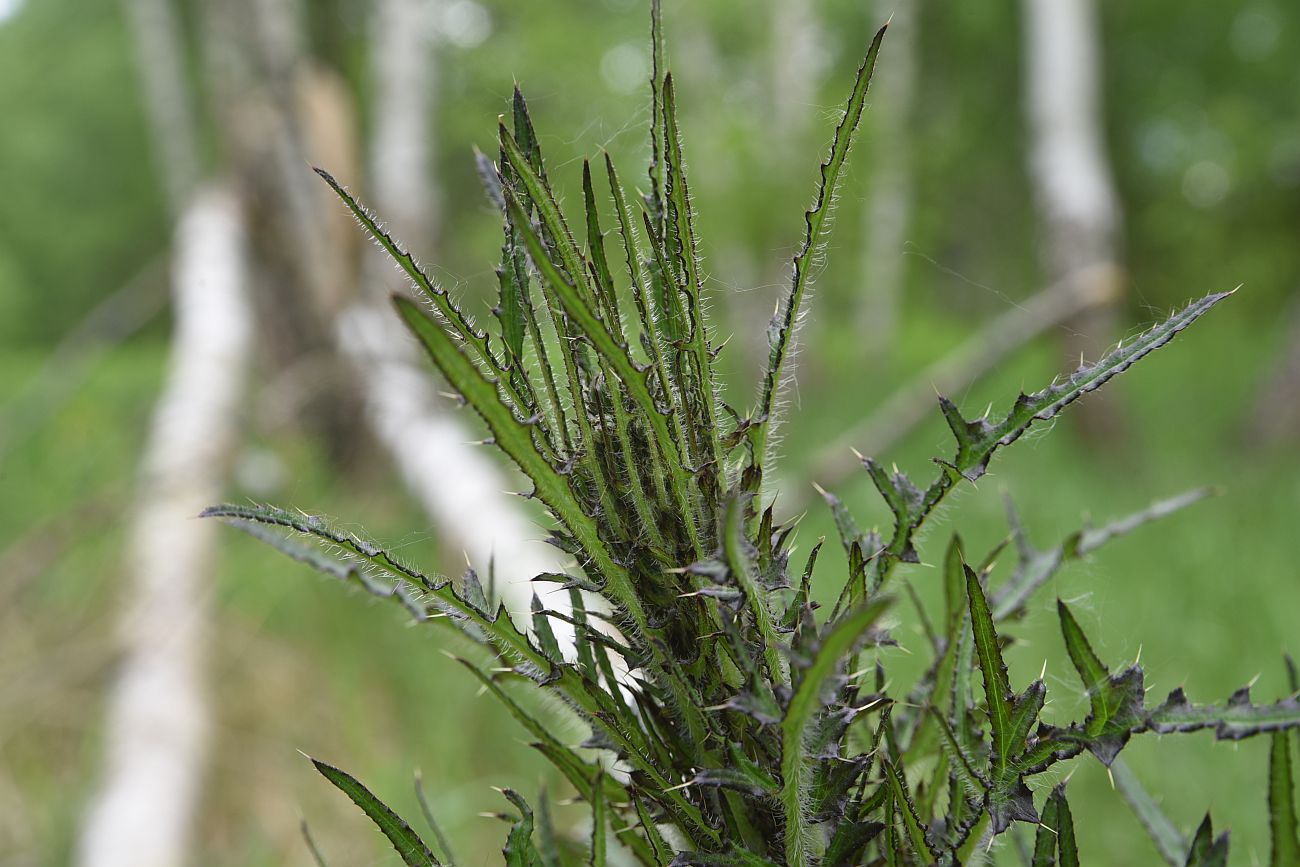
[
  {"x": 1036, "y": 568},
  {"x": 1010, "y": 716},
  {"x": 975, "y": 449},
  {"x": 519, "y": 850},
  {"x": 740, "y": 553},
  {"x": 598, "y": 845},
  {"x": 548, "y": 845},
  {"x": 616, "y": 355},
  {"x": 1045, "y": 836},
  {"x": 835, "y": 648},
  {"x": 1067, "y": 849},
  {"x": 912, "y": 824},
  {"x": 1207, "y": 851},
  {"x": 683, "y": 228},
  {"x": 1054, "y": 843},
  {"x": 407, "y": 843},
  {"x": 465, "y": 330},
  {"x": 1167, "y": 838},
  {"x": 997, "y": 686},
  {"x": 512, "y": 437},
  {"x": 1281, "y": 804},
  {"x": 784, "y": 323},
  {"x": 1116, "y": 701},
  {"x": 444, "y": 846},
  {"x": 1238, "y": 718}
]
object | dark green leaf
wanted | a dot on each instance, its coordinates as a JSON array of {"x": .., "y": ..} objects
[
  {"x": 407, "y": 843},
  {"x": 1281, "y": 804},
  {"x": 1207, "y": 851}
]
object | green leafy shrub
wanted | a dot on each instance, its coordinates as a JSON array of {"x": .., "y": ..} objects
[{"x": 741, "y": 726}]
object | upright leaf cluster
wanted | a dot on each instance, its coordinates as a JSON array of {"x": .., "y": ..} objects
[{"x": 732, "y": 722}]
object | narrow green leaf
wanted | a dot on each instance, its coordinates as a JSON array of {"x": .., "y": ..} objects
[
  {"x": 1036, "y": 568},
  {"x": 1116, "y": 701},
  {"x": 997, "y": 686},
  {"x": 1281, "y": 804},
  {"x": 614, "y": 353},
  {"x": 817, "y": 222},
  {"x": 604, "y": 280},
  {"x": 655, "y": 198},
  {"x": 679, "y": 209},
  {"x": 519, "y": 850},
  {"x": 548, "y": 842},
  {"x": 974, "y": 452},
  {"x": 912, "y": 824},
  {"x": 1046, "y": 835},
  {"x": 1207, "y": 851},
  {"x": 471, "y": 336},
  {"x": 740, "y": 556},
  {"x": 661, "y": 853},
  {"x": 835, "y": 647},
  {"x": 598, "y": 844},
  {"x": 1167, "y": 838},
  {"x": 444, "y": 846},
  {"x": 316, "y": 855},
  {"x": 407, "y": 843},
  {"x": 1238, "y": 718},
  {"x": 512, "y": 437},
  {"x": 1067, "y": 848},
  {"x": 541, "y": 197}
]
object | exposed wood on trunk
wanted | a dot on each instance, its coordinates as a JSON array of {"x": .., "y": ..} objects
[
  {"x": 158, "y": 719},
  {"x": 1071, "y": 172}
]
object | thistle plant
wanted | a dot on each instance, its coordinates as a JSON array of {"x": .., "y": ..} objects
[{"x": 732, "y": 721}]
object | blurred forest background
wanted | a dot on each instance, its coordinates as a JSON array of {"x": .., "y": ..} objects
[{"x": 187, "y": 316}]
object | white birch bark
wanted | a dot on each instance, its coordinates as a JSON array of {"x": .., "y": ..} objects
[
  {"x": 1069, "y": 167},
  {"x": 157, "y": 729},
  {"x": 159, "y": 50}
]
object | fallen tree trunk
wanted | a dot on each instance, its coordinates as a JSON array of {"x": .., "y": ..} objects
[
  {"x": 1070, "y": 171},
  {"x": 156, "y": 736}
]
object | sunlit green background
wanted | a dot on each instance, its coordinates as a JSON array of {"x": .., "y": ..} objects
[{"x": 1202, "y": 108}]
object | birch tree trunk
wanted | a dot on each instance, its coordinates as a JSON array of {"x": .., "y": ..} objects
[
  {"x": 159, "y": 56},
  {"x": 889, "y": 191},
  {"x": 157, "y": 728},
  {"x": 1275, "y": 416},
  {"x": 457, "y": 482},
  {"x": 1076, "y": 195},
  {"x": 797, "y": 58}
]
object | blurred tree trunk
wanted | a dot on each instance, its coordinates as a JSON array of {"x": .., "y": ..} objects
[
  {"x": 1077, "y": 201},
  {"x": 889, "y": 190},
  {"x": 278, "y": 113},
  {"x": 1275, "y": 418},
  {"x": 169, "y": 109},
  {"x": 156, "y": 733},
  {"x": 459, "y": 484},
  {"x": 157, "y": 726},
  {"x": 797, "y": 52}
]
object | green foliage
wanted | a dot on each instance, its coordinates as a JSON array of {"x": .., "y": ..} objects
[{"x": 761, "y": 730}]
